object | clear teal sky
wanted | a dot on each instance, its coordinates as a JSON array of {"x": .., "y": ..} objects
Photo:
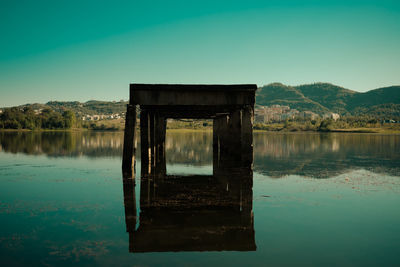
[{"x": 82, "y": 50}]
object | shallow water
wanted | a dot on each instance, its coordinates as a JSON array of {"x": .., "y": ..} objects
[{"x": 318, "y": 199}]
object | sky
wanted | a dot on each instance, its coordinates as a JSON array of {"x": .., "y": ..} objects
[{"x": 83, "y": 50}]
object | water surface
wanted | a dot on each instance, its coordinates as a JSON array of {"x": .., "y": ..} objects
[{"x": 318, "y": 199}]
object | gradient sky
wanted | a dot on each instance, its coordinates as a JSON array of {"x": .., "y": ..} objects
[{"x": 82, "y": 50}]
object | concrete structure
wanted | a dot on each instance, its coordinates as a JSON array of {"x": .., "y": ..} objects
[
  {"x": 230, "y": 106},
  {"x": 191, "y": 213}
]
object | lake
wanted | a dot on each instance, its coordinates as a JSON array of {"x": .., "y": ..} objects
[{"x": 317, "y": 199}]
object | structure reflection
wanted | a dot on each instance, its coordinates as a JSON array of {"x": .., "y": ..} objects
[{"x": 191, "y": 213}]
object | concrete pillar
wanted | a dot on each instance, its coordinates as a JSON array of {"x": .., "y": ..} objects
[
  {"x": 220, "y": 131},
  {"x": 215, "y": 145},
  {"x": 129, "y": 150},
  {"x": 247, "y": 138},
  {"x": 152, "y": 139},
  {"x": 160, "y": 131},
  {"x": 145, "y": 143},
  {"x": 228, "y": 135},
  {"x": 234, "y": 138}
]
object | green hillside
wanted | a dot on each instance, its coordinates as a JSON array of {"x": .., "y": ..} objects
[
  {"x": 328, "y": 95},
  {"x": 324, "y": 97},
  {"x": 375, "y": 97},
  {"x": 277, "y": 93}
]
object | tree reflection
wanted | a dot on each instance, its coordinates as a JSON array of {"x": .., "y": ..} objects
[{"x": 275, "y": 155}]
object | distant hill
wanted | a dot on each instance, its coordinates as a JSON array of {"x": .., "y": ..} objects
[
  {"x": 328, "y": 95},
  {"x": 280, "y": 94},
  {"x": 324, "y": 97},
  {"x": 318, "y": 97},
  {"x": 91, "y": 107},
  {"x": 386, "y": 95}
]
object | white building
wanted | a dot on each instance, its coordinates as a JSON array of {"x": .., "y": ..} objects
[{"x": 331, "y": 115}]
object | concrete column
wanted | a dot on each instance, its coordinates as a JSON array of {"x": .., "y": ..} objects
[
  {"x": 129, "y": 150},
  {"x": 160, "y": 131},
  {"x": 247, "y": 138},
  {"x": 228, "y": 129},
  {"x": 234, "y": 138},
  {"x": 152, "y": 139},
  {"x": 220, "y": 131},
  {"x": 145, "y": 143},
  {"x": 215, "y": 145}
]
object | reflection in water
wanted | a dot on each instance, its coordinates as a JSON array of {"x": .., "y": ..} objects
[
  {"x": 192, "y": 148},
  {"x": 275, "y": 155},
  {"x": 191, "y": 213},
  {"x": 68, "y": 211},
  {"x": 325, "y": 155},
  {"x": 63, "y": 144}
]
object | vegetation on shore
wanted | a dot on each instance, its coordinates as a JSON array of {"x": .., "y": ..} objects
[
  {"x": 91, "y": 107},
  {"x": 48, "y": 119},
  {"x": 358, "y": 124},
  {"x": 360, "y": 112},
  {"x": 189, "y": 124},
  {"x": 26, "y": 119}
]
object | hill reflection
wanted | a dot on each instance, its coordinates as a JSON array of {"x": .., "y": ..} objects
[
  {"x": 275, "y": 155},
  {"x": 325, "y": 155}
]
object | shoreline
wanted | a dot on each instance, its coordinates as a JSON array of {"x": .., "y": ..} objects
[{"x": 350, "y": 130}]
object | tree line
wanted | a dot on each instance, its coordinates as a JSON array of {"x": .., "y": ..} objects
[{"x": 26, "y": 118}]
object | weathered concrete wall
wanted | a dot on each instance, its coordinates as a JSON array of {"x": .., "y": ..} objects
[{"x": 187, "y": 95}]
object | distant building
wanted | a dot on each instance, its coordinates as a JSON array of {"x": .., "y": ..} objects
[
  {"x": 274, "y": 113},
  {"x": 308, "y": 115},
  {"x": 37, "y": 111},
  {"x": 331, "y": 115},
  {"x": 101, "y": 117}
]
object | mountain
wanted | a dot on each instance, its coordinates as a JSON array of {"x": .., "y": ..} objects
[
  {"x": 328, "y": 95},
  {"x": 325, "y": 97},
  {"x": 277, "y": 93},
  {"x": 375, "y": 97}
]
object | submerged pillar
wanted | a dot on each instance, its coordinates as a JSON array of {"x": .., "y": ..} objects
[{"x": 130, "y": 205}]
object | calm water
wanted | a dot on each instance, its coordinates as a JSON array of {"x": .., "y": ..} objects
[{"x": 318, "y": 199}]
